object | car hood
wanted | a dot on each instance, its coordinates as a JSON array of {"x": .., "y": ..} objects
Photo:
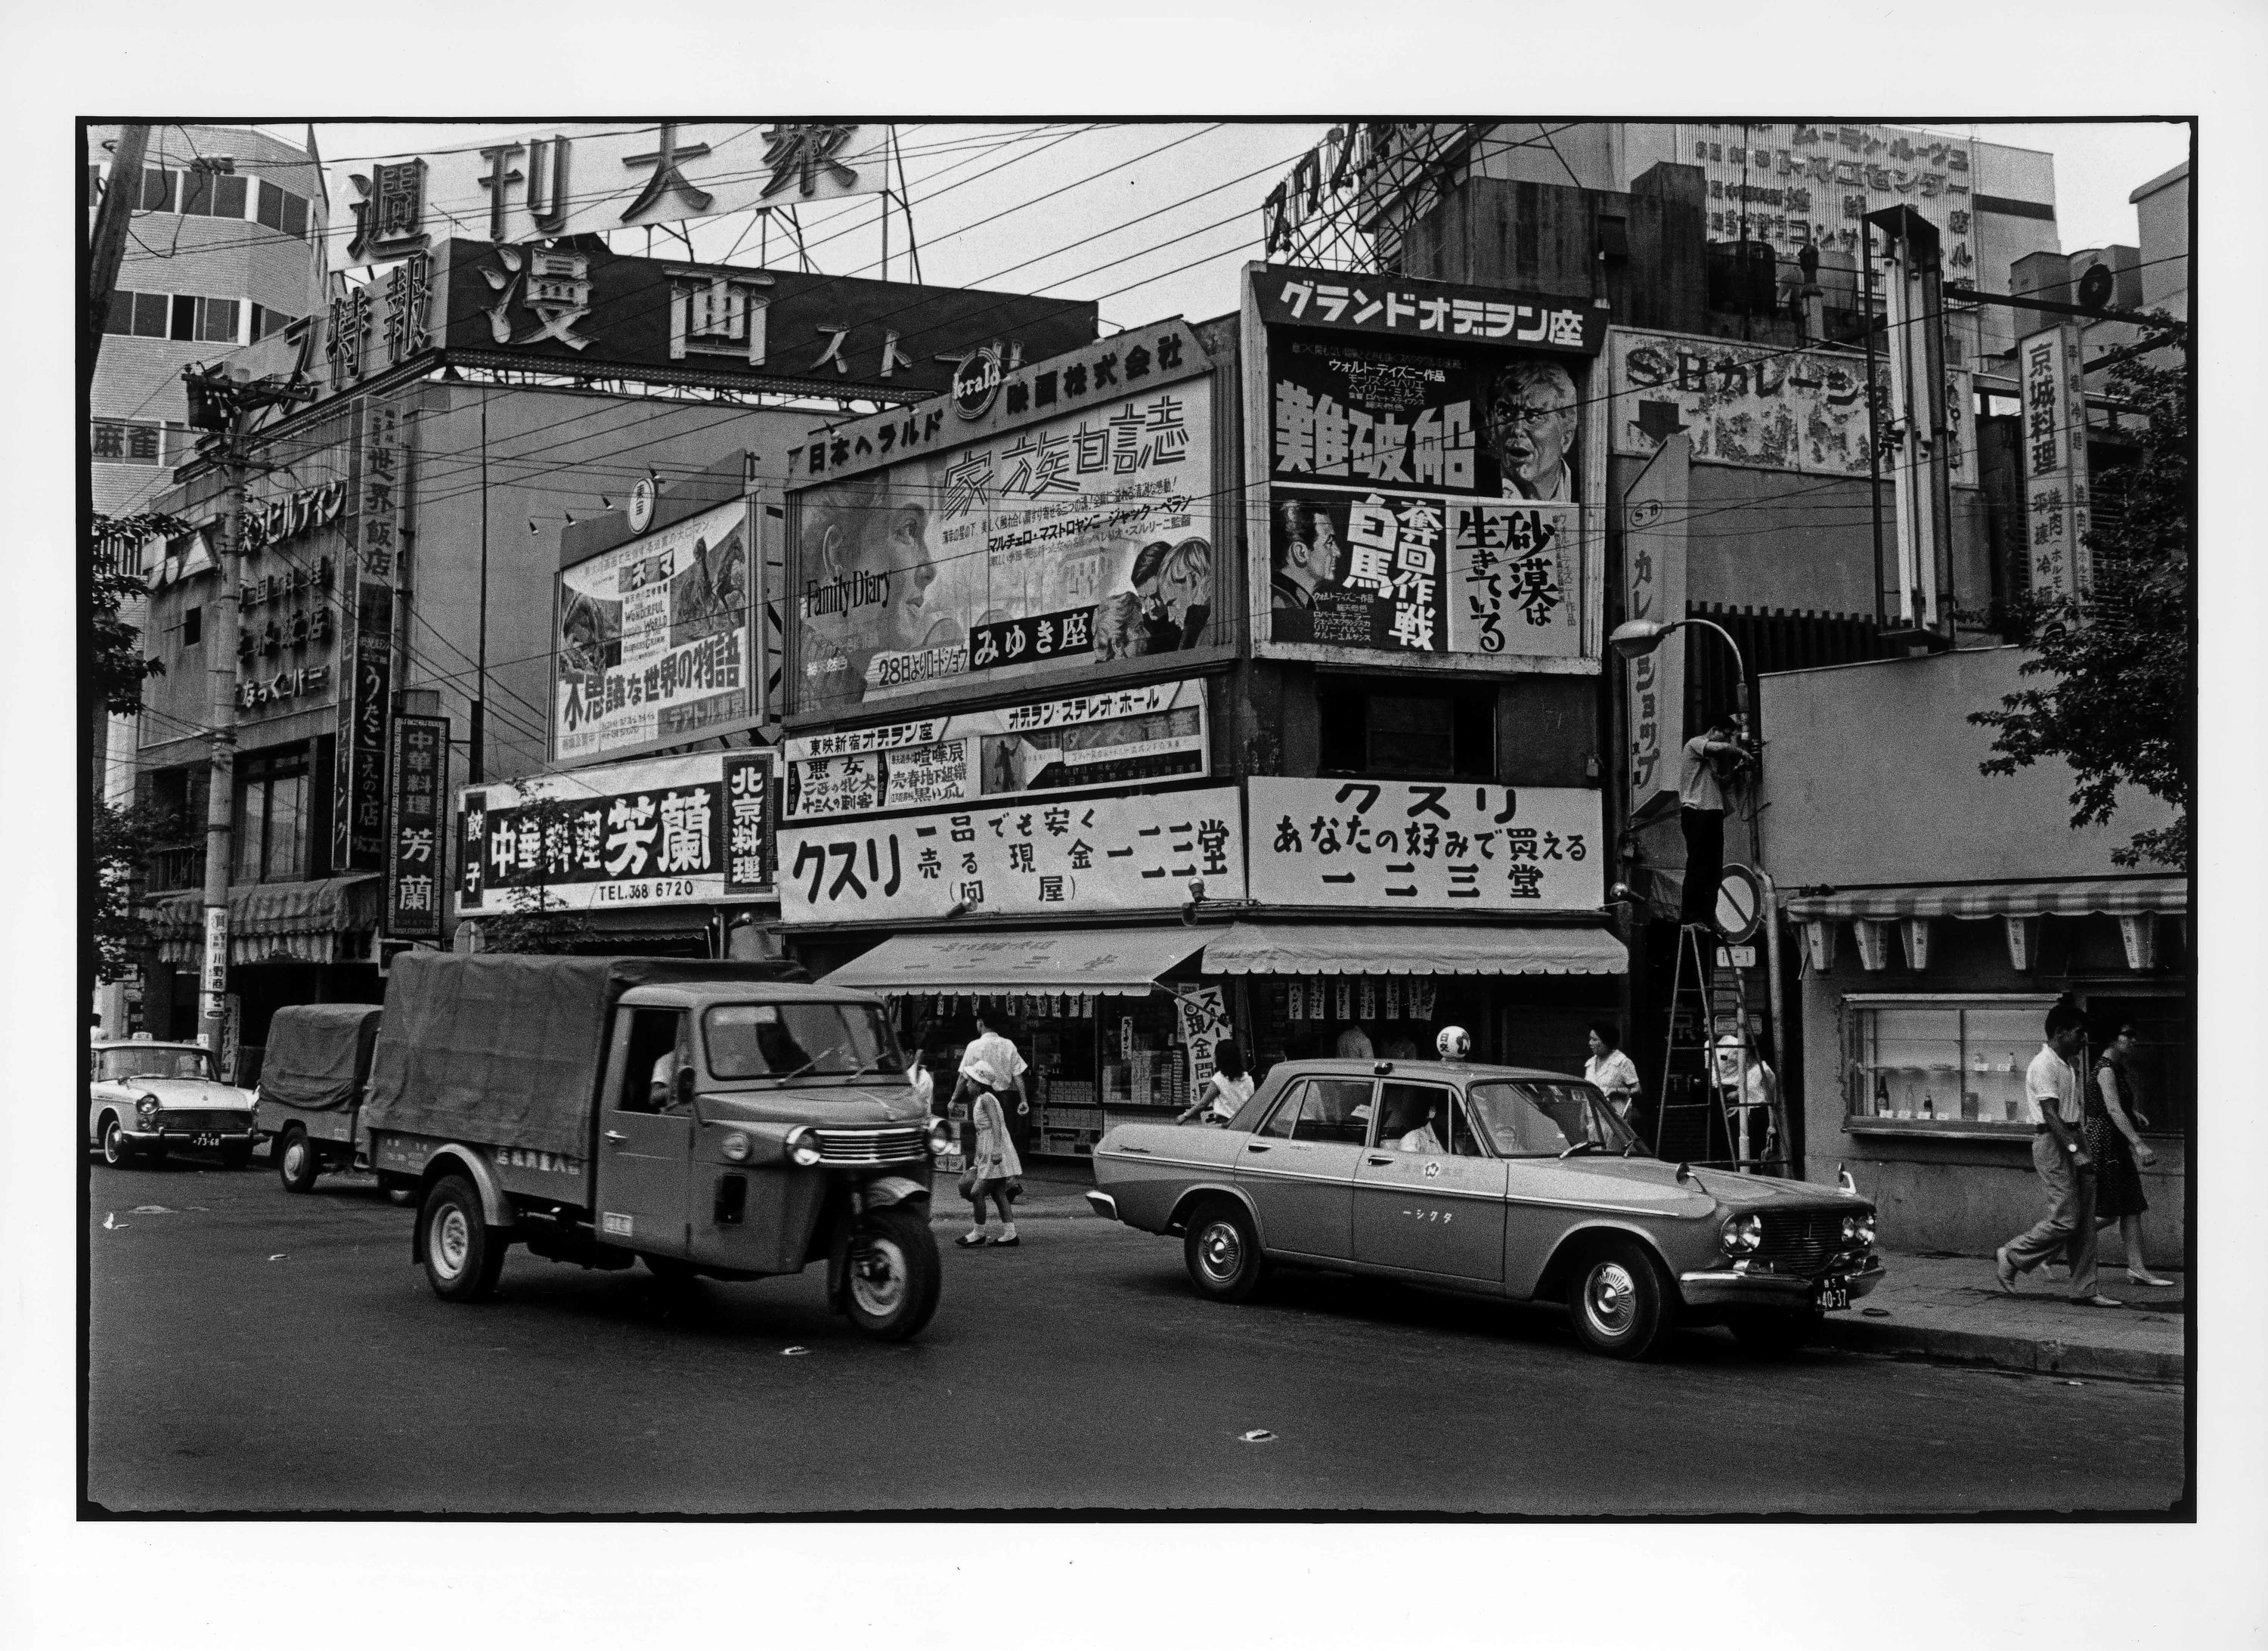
[
  {"x": 1734, "y": 1191},
  {"x": 827, "y": 1108},
  {"x": 200, "y": 1095}
]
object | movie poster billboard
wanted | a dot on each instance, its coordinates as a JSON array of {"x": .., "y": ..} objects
[
  {"x": 678, "y": 830},
  {"x": 652, "y": 643},
  {"x": 1432, "y": 490},
  {"x": 1155, "y": 732},
  {"x": 1075, "y": 525}
]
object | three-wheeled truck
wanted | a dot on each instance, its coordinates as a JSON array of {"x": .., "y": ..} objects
[
  {"x": 709, "y": 1118},
  {"x": 309, "y": 1102}
]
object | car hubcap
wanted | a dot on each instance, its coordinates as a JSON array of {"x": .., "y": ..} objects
[
  {"x": 1221, "y": 1251},
  {"x": 1611, "y": 1299},
  {"x": 879, "y": 1278},
  {"x": 295, "y": 1160},
  {"x": 114, "y": 1142},
  {"x": 452, "y": 1239}
]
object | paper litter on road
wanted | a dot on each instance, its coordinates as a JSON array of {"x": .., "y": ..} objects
[
  {"x": 278, "y": 1256},
  {"x": 112, "y": 1224},
  {"x": 790, "y": 1352},
  {"x": 151, "y": 1209},
  {"x": 1257, "y": 1436}
]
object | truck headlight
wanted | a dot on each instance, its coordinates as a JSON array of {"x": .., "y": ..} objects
[
  {"x": 941, "y": 1138},
  {"x": 736, "y": 1147},
  {"x": 1850, "y": 1227},
  {"x": 1743, "y": 1232},
  {"x": 800, "y": 1147},
  {"x": 146, "y": 1109},
  {"x": 1866, "y": 1228}
]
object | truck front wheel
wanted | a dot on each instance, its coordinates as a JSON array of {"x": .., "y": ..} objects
[
  {"x": 463, "y": 1255},
  {"x": 894, "y": 1275}
]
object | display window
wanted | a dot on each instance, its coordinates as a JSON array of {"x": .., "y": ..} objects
[{"x": 1940, "y": 1065}]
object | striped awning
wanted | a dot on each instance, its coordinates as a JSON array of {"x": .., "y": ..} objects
[
  {"x": 304, "y": 922},
  {"x": 1003, "y": 962},
  {"x": 2109, "y": 896},
  {"x": 1413, "y": 949}
]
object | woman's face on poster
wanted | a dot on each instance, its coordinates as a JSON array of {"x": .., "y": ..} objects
[{"x": 892, "y": 542}]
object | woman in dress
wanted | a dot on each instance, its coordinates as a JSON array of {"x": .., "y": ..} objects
[
  {"x": 2114, "y": 1143},
  {"x": 1611, "y": 1071},
  {"x": 1224, "y": 1094}
]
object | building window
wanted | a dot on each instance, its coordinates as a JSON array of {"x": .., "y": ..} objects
[
  {"x": 193, "y": 627},
  {"x": 217, "y": 320},
  {"x": 157, "y": 190},
  {"x": 183, "y": 322},
  {"x": 1443, "y": 735},
  {"x": 1941, "y": 1064},
  {"x": 151, "y": 313},
  {"x": 272, "y": 817}
]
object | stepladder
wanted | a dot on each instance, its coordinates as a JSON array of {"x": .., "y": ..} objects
[{"x": 1720, "y": 1104}]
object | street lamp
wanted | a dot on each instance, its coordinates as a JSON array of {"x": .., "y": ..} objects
[{"x": 1635, "y": 638}]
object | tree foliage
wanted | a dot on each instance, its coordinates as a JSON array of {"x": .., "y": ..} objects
[
  {"x": 115, "y": 667},
  {"x": 124, "y": 839},
  {"x": 2116, "y": 703}
]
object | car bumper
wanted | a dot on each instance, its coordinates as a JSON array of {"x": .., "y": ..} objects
[
  {"x": 1723, "y": 1287},
  {"x": 241, "y": 1136},
  {"x": 1103, "y": 1205}
]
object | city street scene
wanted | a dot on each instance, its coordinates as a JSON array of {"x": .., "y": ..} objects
[{"x": 669, "y": 941}]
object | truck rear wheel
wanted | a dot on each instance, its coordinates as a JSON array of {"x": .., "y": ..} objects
[
  {"x": 463, "y": 1255},
  {"x": 296, "y": 1163},
  {"x": 894, "y": 1275}
]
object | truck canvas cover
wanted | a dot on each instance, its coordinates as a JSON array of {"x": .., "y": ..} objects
[
  {"x": 504, "y": 1049},
  {"x": 318, "y": 1054}
]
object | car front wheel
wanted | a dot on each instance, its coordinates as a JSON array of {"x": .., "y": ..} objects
[
  {"x": 117, "y": 1151},
  {"x": 1223, "y": 1252},
  {"x": 894, "y": 1275},
  {"x": 1619, "y": 1304},
  {"x": 296, "y": 1164}
]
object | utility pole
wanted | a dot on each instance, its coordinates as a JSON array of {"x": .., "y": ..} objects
[
  {"x": 107, "y": 247},
  {"x": 223, "y": 406}
]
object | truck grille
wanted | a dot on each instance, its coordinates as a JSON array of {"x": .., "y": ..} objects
[
  {"x": 892, "y": 1144},
  {"x": 203, "y": 1123},
  {"x": 1800, "y": 1242}
]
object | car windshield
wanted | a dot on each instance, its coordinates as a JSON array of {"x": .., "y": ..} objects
[
  {"x": 1543, "y": 1118},
  {"x": 152, "y": 1060},
  {"x": 761, "y": 1040}
]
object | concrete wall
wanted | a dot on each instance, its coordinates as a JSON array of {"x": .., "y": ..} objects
[
  {"x": 1873, "y": 779},
  {"x": 2161, "y": 213}
]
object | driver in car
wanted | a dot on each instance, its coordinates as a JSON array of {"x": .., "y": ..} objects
[{"x": 1426, "y": 1138}]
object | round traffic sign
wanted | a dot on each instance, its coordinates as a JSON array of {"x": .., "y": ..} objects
[{"x": 1739, "y": 905}]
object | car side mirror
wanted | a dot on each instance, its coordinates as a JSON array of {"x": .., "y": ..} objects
[{"x": 681, "y": 1087}]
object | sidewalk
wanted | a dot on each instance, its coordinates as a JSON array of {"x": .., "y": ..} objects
[{"x": 1946, "y": 1307}]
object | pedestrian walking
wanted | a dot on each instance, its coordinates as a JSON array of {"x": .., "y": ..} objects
[
  {"x": 2065, "y": 1171},
  {"x": 993, "y": 1171},
  {"x": 1223, "y": 1094},
  {"x": 2114, "y": 1141},
  {"x": 1610, "y": 1071},
  {"x": 1750, "y": 1088}
]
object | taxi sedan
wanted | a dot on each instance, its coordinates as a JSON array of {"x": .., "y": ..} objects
[
  {"x": 1499, "y": 1181},
  {"x": 145, "y": 1097}
]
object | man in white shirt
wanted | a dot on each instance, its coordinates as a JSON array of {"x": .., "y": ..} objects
[
  {"x": 1701, "y": 819},
  {"x": 991, "y": 1062},
  {"x": 2059, "y": 1154}
]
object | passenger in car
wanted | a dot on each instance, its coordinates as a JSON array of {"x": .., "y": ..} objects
[{"x": 1427, "y": 1136}]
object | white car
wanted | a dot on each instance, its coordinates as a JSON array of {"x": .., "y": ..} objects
[{"x": 143, "y": 1098}]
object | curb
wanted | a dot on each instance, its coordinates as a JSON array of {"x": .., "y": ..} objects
[{"x": 2043, "y": 1355}]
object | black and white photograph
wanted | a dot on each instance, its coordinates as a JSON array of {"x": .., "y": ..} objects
[{"x": 925, "y": 858}]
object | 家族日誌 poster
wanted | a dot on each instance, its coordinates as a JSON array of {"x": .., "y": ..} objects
[{"x": 1073, "y": 541}]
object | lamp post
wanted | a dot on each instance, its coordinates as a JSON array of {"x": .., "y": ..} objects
[{"x": 1634, "y": 639}]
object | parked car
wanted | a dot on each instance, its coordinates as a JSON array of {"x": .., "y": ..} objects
[
  {"x": 144, "y": 1098},
  {"x": 1497, "y": 1181}
]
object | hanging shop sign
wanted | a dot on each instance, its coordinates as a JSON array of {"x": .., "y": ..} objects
[
  {"x": 1151, "y": 733},
  {"x": 1430, "y": 487},
  {"x": 653, "y": 646},
  {"x": 1654, "y": 512},
  {"x": 1071, "y": 521},
  {"x": 1792, "y": 185},
  {"x": 674, "y": 830},
  {"x": 365, "y": 647},
  {"x": 416, "y": 840},
  {"x": 1040, "y": 855},
  {"x": 1203, "y": 1015},
  {"x": 583, "y": 179},
  {"x": 579, "y": 306},
  {"x": 2056, "y": 478},
  {"x": 1401, "y": 846},
  {"x": 1754, "y": 405}
]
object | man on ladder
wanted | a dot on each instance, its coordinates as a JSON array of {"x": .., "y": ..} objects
[{"x": 1711, "y": 757}]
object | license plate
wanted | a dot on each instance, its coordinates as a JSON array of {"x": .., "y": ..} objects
[
  {"x": 204, "y": 1140},
  {"x": 1834, "y": 1296}
]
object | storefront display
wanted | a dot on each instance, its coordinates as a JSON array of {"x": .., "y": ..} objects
[{"x": 1940, "y": 1064}]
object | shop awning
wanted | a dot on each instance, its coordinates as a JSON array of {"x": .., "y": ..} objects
[
  {"x": 301, "y": 922},
  {"x": 1040, "y": 961},
  {"x": 1412, "y": 948},
  {"x": 2109, "y": 897}
]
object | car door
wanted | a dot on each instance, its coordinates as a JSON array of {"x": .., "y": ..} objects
[
  {"x": 645, "y": 1150},
  {"x": 1439, "y": 1208},
  {"x": 1298, "y": 1168}
]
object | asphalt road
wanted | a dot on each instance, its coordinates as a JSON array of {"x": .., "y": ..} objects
[{"x": 253, "y": 1351}]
